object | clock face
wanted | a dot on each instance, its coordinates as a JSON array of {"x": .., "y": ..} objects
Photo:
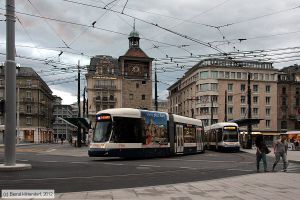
[{"x": 135, "y": 69}]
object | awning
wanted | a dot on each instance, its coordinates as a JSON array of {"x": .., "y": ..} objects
[
  {"x": 245, "y": 122},
  {"x": 83, "y": 122},
  {"x": 292, "y": 132}
]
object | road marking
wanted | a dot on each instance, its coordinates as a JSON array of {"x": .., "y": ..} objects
[
  {"x": 50, "y": 161},
  {"x": 117, "y": 164},
  {"x": 242, "y": 170},
  {"x": 188, "y": 168},
  {"x": 92, "y": 177},
  {"x": 50, "y": 150},
  {"x": 79, "y": 162},
  {"x": 214, "y": 161},
  {"x": 149, "y": 166}
]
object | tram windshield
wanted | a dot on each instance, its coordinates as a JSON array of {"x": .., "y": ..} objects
[
  {"x": 102, "y": 131},
  {"x": 230, "y": 134}
]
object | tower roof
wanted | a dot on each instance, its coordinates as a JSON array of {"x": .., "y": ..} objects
[{"x": 134, "y": 33}]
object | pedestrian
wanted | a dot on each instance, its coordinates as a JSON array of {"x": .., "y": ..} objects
[
  {"x": 280, "y": 150},
  {"x": 261, "y": 151},
  {"x": 62, "y": 140}
]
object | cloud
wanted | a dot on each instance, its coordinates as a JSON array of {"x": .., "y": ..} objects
[
  {"x": 184, "y": 17},
  {"x": 67, "y": 97}
]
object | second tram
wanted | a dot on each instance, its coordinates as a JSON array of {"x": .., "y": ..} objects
[
  {"x": 128, "y": 132},
  {"x": 222, "y": 136}
]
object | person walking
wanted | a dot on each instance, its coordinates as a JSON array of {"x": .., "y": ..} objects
[
  {"x": 261, "y": 151},
  {"x": 280, "y": 150}
]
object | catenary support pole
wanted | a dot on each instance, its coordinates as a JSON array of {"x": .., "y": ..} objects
[{"x": 10, "y": 85}]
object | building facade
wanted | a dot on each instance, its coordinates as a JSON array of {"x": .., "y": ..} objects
[
  {"x": 61, "y": 128},
  {"x": 34, "y": 106},
  {"x": 202, "y": 91},
  {"x": 289, "y": 99},
  {"x": 120, "y": 83}
]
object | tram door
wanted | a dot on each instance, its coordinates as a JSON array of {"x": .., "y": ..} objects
[
  {"x": 179, "y": 139},
  {"x": 200, "y": 145}
]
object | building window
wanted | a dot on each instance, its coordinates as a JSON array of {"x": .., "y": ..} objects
[
  {"x": 284, "y": 101},
  {"x": 255, "y": 76},
  {"x": 28, "y": 109},
  {"x": 28, "y": 94},
  {"x": 243, "y": 87},
  {"x": 230, "y": 87},
  {"x": 297, "y": 101},
  {"x": 243, "y": 111},
  {"x": 255, "y": 88},
  {"x": 268, "y": 89},
  {"x": 131, "y": 96},
  {"x": 255, "y": 111},
  {"x": 283, "y": 125},
  {"x": 204, "y": 75},
  {"x": 243, "y": 99},
  {"x": 28, "y": 83},
  {"x": 204, "y": 87},
  {"x": 221, "y": 74},
  {"x": 143, "y": 97},
  {"x": 214, "y": 87},
  {"x": 28, "y": 120},
  {"x": 230, "y": 110},
  {"x": 255, "y": 100},
  {"x": 268, "y": 123},
  {"x": 232, "y": 75},
  {"x": 283, "y": 90},
  {"x": 214, "y": 74},
  {"x": 227, "y": 75},
  {"x": 137, "y": 85},
  {"x": 230, "y": 97},
  {"x": 238, "y": 75},
  {"x": 143, "y": 82},
  {"x": 268, "y": 100},
  {"x": 245, "y": 76},
  {"x": 268, "y": 111},
  {"x": 267, "y": 77}
]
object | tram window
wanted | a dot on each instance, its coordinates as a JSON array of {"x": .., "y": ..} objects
[
  {"x": 102, "y": 131},
  {"x": 127, "y": 130},
  {"x": 219, "y": 134},
  {"x": 230, "y": 135}
]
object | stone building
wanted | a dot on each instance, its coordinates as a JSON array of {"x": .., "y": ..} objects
[
  {"x": 120, "y": 83},
  {"x": 34, "y": 106},
  {"x": 200, "y": 93},
  {"x": 289, "y": 99}
]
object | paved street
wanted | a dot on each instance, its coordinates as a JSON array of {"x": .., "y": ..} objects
[{"x": 67, "y": 169}]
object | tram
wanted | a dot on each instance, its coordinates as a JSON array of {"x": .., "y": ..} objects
[
  {"x": 135, "y": 133},
  {"x": 222, "y": 136}
]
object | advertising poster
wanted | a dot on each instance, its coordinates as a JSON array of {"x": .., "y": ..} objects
[{"x": 155, "y": 128}]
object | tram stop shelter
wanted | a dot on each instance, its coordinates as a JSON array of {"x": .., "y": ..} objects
[
  {"x": 244, "y": 137},
  {"x": 85, "y": 125}
]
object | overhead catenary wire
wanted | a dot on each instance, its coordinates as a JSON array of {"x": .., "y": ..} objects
[{"x": 153, "y": 24}]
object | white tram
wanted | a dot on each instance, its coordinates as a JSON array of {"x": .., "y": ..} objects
[
  {"x": 128, "y": 132},
  {"x": 222, "y": 136}
]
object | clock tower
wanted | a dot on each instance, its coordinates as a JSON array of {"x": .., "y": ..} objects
[{"x": 136, "y": 70}]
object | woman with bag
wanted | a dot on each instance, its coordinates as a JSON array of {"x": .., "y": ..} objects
[{"x": 261, "y": 152}]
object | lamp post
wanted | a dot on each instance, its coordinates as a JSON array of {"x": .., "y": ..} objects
[{"x": 249, "y": 126}]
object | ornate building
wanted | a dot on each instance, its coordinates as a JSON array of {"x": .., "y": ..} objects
[
  {"x": 120, "y": 83},
  {"x": 34, "y": 106},
  {"x": 289, "y": 99}
]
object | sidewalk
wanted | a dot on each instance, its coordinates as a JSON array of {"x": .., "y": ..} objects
[
  {"x": 275, "y": 186},
  {"x": 292, "y": 156}
]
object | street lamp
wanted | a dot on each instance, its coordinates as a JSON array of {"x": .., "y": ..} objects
[{"x": 249, "y": 126}]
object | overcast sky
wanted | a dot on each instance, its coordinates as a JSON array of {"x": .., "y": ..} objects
[{"x": 267, "y": 24}]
